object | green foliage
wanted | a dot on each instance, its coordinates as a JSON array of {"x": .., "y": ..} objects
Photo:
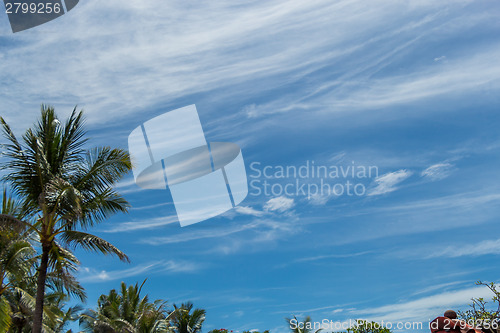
[
  {"x": 5, "y": 314},
  {"x": 482, "y": 313},
  {"x": 62, "y": 188},
  {"x": 63, "y": 185},
  {"x": 187, "y": 320},
  {"x": 56, "y": 313},
  {"x": 16, "y": 251},
  {"x": 224, "y": 330},
  {"x": 16, "y": 260},
  {"x": 127, "y": 312}
]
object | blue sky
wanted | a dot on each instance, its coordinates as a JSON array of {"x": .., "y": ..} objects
[{"x": 409, "y": 87}]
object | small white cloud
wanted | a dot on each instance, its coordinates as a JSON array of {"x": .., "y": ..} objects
[
  {"x": 441, "y": 58},
  {"x": 251, "y": 111},
  {"x": 387, "y": 183},
  {"x": 103, "y": 275},
  {"x": 279, "y": 204},
  {"x": 437, "y": 171},
  {"x": 246, "y": 210}
]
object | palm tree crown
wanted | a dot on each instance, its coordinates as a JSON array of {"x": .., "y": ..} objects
[
  {"x": 186, "y": 321},
  {"x": 127, "y": 312},
  {"x": 63, "y": 188}
]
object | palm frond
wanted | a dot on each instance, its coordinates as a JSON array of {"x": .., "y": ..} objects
[
  {"x": 102, "y": 168},
  {"x": 91, "y": 243},
  {"x": 10, "y": 222},
  {"x": 25, "y": 299},
  {"x": 5, "y": 311},
  {"x": 60, "y": 280},
  {"x": 99, "y": 206}
]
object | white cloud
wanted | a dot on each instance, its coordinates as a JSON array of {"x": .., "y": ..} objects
[
  {"x": 154, "y": 206},
  {"x": 387, "y": 183},
  {"x": 323, "y": 257},
  {"x": 246, "y": 210},
  {"x": 202, "y": 234},
  {"x": 262, "y": 227},
  {"x": 332, "y": 256},
  {"x": 441, "y": 286},
  {"x": 437, "y": 171},
  {"x": 410, "y": 217},
  {"x": 482, "y": 248},
  {"x": 250, "y": 110},
  {"x": 424, "y": 308},
  {"x": 135, "y": 55},
  {"x": 319, "y": 199},
  {"x": 88, "y": 274},
  {"x": 426, "y": 84},
  {"x": 150, "y": 223},
  {"x": 279, "y": 204},
  {"x": 308, "y": 310},
  {"x": 466, "y": 200},
  {"x": 338, "y": 158}
]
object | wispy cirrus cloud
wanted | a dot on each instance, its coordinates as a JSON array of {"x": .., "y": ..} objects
[
  {"x": 256, "y": 231},
  {"x": 276, "y": 207},
  {"x": 388, "y": 182},
  {"x": 485, "y": 247},
  {"x": 466, "y": 200},
  {"x": 437, "y": 171},
  {"x": 170, "y": 43},
  {"x": 279, "y": 204},
  {"x": 320, "y": 199},
  {"x": 333, "y": 256},
  {"x": 424, "y": 308},
  {"x": 324, "y": 257},
  {"x": 247, "y": 210},
  {"x": 90, "y": 275},
  {"x": 142, "y": 224},
  {"x": 437, "y": 287}
]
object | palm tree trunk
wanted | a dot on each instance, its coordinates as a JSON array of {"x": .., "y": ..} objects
[{"x": 40, "y": 291}]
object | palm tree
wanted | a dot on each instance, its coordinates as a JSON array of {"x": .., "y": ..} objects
[
  {"x": 127, "y": 312},
  {"x": 64, "y": 188},
  {"x": 61, "y": 315},
  {"x": 15, "y": 249},
  {"x": 185, "y": 321},
  {"x": 16, "y": 259},
  {"x": 56, "y": 315},
  {"x": 18, "y": 276}
]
